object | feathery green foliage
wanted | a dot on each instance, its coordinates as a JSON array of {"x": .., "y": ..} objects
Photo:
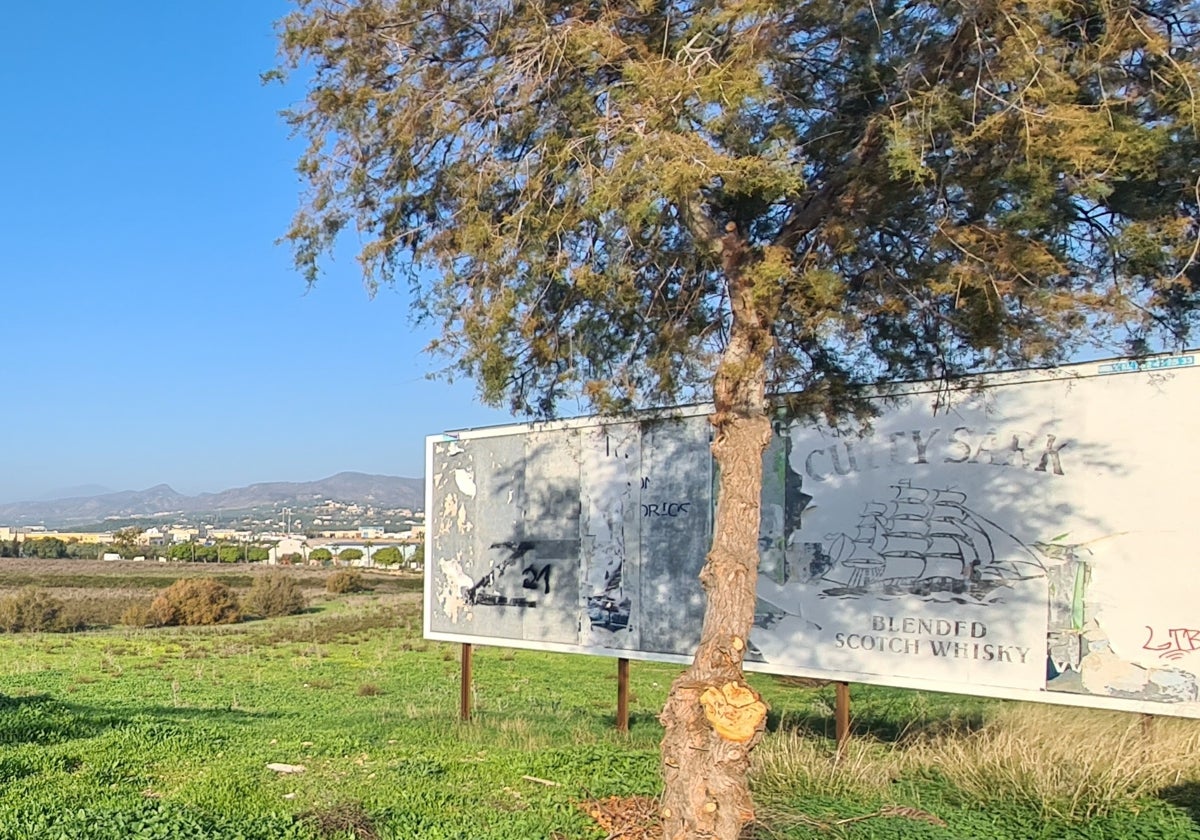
[{"x": 914, "y": 188}]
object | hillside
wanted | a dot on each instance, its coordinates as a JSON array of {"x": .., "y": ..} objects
[{"x": 380, "y": 491}]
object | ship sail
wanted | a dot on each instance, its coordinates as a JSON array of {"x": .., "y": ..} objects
[{"x": 921, "y": 541}]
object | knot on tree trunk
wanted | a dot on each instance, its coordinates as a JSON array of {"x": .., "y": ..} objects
[{"x": 734, "y": 710}]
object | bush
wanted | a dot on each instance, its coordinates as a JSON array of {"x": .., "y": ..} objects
[
  {"x": 31, "y": 611},
  {"x": 195, "y": 601},
  {"x": 136, "y": 615},
  {"x": 275, "y": 594},
  {"x": 345, "y": 581},
  {"x": 80, "y": 613}
]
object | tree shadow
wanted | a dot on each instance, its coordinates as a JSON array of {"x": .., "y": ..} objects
[
  {"x": 1186, "y": 797},
  {"x": 885, "y": 715},
  {"x": 875, "y": 725},
  {"x": 44, "y": 720},
  {"x": 637, "y": 720}
]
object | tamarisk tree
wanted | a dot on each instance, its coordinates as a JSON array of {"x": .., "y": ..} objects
[{"x": 635, "y": 202}]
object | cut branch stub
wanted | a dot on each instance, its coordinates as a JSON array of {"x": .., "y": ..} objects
[{"x": 734, "y": 711}]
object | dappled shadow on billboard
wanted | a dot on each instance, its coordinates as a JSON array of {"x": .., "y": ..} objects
[
  {"x": 1015, "y": 538},
  {"x": 1024, "y": 537},
  {"x": 574, "y": 536}
]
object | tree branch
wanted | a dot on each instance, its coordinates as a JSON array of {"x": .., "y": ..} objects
[{"x": 807, "y": 216}]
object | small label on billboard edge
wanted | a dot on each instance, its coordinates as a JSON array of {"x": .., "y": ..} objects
[{"x": 1137, "y": 366}]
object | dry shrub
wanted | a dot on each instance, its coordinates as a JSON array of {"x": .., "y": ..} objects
[
  {"x": 31, "y": 611},
  {"x": 76, "y": 616},
  {"x": 347, "y": 580},
  {"x": 136, "y": 615},
  {"x": 195, "y": 601},
  {"x": 96, "y": 608},
  {"x": 275, "y": 594}
]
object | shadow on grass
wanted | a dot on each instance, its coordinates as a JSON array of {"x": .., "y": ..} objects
[
  {"x": 637, "y": 720},
  {"x": 1186, "y": 797},
  {"x": 43, "y": 720},
  {"x": 883, "y": 728},
  {"x": 886, "y": 715},
  {"x": 40, "y": 719}
]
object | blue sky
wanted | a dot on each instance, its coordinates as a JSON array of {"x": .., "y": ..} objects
[{"x": 151, "y": 328}]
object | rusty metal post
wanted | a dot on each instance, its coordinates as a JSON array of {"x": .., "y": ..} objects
[
  {"x": 622, "y": 695},
  {"x": 464, "y": 697}
]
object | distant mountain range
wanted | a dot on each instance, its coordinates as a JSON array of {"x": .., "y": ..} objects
[{"x": 381, "y": 491}]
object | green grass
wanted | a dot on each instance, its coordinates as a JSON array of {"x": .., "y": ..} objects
[
  {"x": 168, "y": 733},
  {"x": 122, "y": 733}
]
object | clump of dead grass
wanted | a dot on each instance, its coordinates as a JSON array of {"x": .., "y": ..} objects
[
  {"x": 342, "y": 819},
  {"x": 626, "y": 817},
  {"x": 794, "y": 763},
  {"x": 1068, "y": 763},
  {"x": 1065, "y": 763}
]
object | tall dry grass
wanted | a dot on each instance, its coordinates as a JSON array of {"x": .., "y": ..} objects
[
  {"x": 1066, "y": 762},
  {"x": 791, "y": 763},
  {"x": 1062, "y": 762}
]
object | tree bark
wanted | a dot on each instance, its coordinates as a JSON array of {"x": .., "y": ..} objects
[{"x": 712, "y": 719}]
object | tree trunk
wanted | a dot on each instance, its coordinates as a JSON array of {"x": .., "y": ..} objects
[{"x": 712, "y": 718}]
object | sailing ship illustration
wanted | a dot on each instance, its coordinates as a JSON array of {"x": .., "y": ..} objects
[
  {"x": 610, "y": 609},
  {"x": 924, "y": 541}
]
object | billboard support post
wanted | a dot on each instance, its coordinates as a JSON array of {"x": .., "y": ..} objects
[
  {"x": 623, "y": 695},
  {"x": 842, "y": 716},
  {"x": 464, "y": 696}
]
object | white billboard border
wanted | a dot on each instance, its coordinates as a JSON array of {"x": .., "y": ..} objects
[{"x": 1085, "y": 370}]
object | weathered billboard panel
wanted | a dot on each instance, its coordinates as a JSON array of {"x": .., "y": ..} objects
[{"x": 1028, "y": 536}]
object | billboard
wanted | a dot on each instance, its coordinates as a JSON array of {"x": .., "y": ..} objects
[{"x": 1025, "y": 535}]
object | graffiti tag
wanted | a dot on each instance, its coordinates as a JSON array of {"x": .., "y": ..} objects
[
  {"x": 1179, "y": 642},
  {"x": 533, "y": 574}
]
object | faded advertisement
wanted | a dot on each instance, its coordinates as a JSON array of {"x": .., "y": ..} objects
[
  {"x": 1024, "y": 535},
  {"x": 584, "y": 535}
]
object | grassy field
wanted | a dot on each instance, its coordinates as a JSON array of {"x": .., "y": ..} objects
[{"x": 171, "y": 733}]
